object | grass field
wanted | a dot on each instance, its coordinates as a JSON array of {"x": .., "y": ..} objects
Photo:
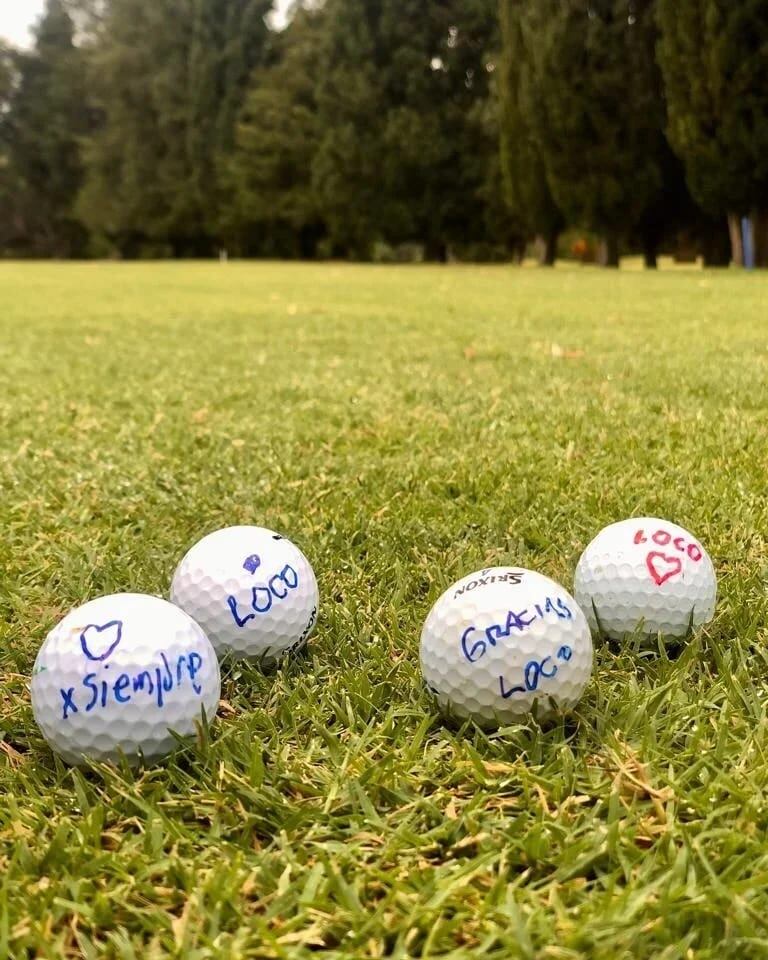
[{"x": 405, "y": 426}]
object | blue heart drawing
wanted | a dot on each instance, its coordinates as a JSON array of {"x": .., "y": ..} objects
[
  {"x": 113, "y": 632},
  {"x": 252, "y": 563}
]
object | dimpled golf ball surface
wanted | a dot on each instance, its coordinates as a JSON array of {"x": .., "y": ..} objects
[
  {"x": 645, "y": 575},
  {"x": 118, "y": 674},
  {"x": 252, "y": 591},
  {"x": 502, "y": 640}
]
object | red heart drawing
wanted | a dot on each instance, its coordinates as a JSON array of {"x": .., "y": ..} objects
[{"x": 663, "y": 568}]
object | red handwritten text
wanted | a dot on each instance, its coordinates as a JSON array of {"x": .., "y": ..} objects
[{"x": 663, "y": 566}]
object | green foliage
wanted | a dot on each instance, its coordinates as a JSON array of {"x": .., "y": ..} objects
[
  {"x": 713, "y": 54},
  {"x": 595, "y": 108},
  {"x": 6, "y": 76},
  {"x": 407, "y": 148},
  {"x": 523, "y": 166},
  {"x": 404, "y": 426},
  {"x": 175, "y": 128},
  {"x": 168, "y": 79},
  {"x": 272, "y": 207},
  {"x": 41, "y": 123}
]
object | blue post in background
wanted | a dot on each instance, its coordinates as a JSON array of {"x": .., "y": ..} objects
[{"x": 748, "y": 242}]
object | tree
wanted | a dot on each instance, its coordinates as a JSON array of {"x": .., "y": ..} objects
[
  {"x": 713, "y": 59},
  {"x": 6, "y": 77},
  {"x": 7, "y": 185},
  {"x": 169, "y": 80},
  {"x": 523, "y": 169},
  {"x": 595, "y": 109},
  {"x": 399, "y": 158},
  {"x": 272, "y": 207},
  {"x": 44, "y": 117}
]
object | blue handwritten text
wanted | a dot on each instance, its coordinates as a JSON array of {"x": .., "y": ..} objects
[
  {"x": 534, "y": 672},
  {"x": 474, "y": 647},
  {"x": 96, "y": 692},
  {"x": 264, "y": 595}
]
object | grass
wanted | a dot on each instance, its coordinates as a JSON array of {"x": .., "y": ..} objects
[{"x": 405, "y": 426}]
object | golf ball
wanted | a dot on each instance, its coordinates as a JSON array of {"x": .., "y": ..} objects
[
  {"x": 502, "y": 640},
  {"x": 118, "y": 674},
  {"x": 251, "y": 590},
  {"x": 645, "y": 575}
]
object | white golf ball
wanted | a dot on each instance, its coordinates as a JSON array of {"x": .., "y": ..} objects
[
  {"x": 502, "y": 640},
  {"x": 645, "y": 575},
  {"x": 251, "y": 590},
  {"x": 118, "y": 674}
]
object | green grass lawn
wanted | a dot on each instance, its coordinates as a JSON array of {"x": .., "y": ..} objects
[{"x": 404, "y": 426}]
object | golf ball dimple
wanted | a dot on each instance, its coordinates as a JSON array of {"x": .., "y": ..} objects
[
  {"x": 645, "y": 575},
  {"x": 117, "y": 675},
  {"x": 252, "y": 591},
  {"x": 503, "y": 640}
]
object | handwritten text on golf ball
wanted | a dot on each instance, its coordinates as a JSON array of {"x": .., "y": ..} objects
[
  {"x": 263, "y": 596},
  {"x": 475, "y": 642},
  {"x": 97, "y": 691},
  {"x": 667, "y": 563},
  {"x": 534, "y": 671},
  {"x": 663, "y": 538}
]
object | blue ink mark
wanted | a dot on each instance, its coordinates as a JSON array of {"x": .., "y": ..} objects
[
  {"x": 534, "y": 671},
  {"x": 241, "y": 622},
  {"x": 506, "y": 694},
  {"x": 121, "y": 683},
  {"x": 252, "y": 563},
  {"x": 565, "y": 609},
  {"x": 88, "y": 682},
  {"x": 477, "y": 649},
  {"x": 154, "y": 682},
  {"x": 90, "y": 645},
  {"x": 263, "y": 596},
  {"x": 195, "y": 662},
  {"x": 518, "y": 620},
  {"x": 261, "y": 605},
  {"x": 543, "y": 672},
  {"x": 69, "y": 702},
  {"x": 139, "y": 682}
]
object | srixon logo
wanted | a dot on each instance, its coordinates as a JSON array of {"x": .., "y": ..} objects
[
  {"x": 486, "y": 577},
  {"x": 263, "y": 595}
]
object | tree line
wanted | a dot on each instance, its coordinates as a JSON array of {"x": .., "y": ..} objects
[{"x": 464, "y": 128}]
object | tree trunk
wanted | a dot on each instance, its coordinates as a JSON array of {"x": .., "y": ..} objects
[
  {"x": 760, "y": 228},
  {"x": 546, "y": 246},
  {"x": 608, "y": 254},
  {"x": 715, "y": 242},
  {"x": 650, "y": 254},
  {"x": 436, "y": 251},
  {"x": 737, "y": 245}
]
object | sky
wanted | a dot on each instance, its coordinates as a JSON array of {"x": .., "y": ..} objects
[{"x": 17, "y": 16}]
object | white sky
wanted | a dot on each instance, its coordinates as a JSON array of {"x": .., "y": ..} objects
[{"x": 17, "y": 16}]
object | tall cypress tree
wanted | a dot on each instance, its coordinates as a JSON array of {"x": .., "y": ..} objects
[
  {"x": 169, "y": 79},
  {"x": 595, "y": 109},
  {"x": 41, "y": 125},
  {"x": 398, "y": 95},
  {"x": 8, "y": 191},
  {"x": 523, "y": 168},
  {"x": 713, "y": 58},
  {"x": 272, "y": 207}
]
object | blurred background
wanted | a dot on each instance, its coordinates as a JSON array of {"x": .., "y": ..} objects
[{"x": 388, "y": 130}]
